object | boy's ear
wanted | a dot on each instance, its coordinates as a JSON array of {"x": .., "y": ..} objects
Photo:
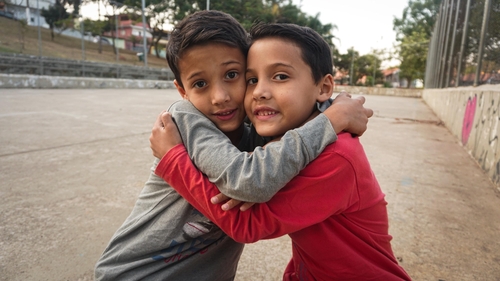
[
  {"x": 180, "y": 89},
  {"x": 326, "y": 88}
]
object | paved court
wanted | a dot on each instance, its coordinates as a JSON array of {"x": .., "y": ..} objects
[{"x": 72, "y": 163}]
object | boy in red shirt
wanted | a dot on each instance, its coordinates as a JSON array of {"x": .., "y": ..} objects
[{"x": 336, "y": 214}]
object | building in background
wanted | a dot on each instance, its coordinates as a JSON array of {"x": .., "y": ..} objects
[
  {"x": 27, "y": 10},
  {"x": 129, "y": 35}
]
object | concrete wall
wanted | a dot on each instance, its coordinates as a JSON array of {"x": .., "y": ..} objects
[
  {"x": 472, "y": 114},
  {"x": 19, "y": 81}
]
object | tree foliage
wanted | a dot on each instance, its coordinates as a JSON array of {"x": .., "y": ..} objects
[
  {"x": 418, "y": 15},
  {"x": 358, "y": 66},
  {"x": 491, "y": 58},
  {"x": 55, "y": 16},
  {"x": 413, "y": 51},
  {"x": 414, "y": 30},
  {"x": 247, "y": 12}
]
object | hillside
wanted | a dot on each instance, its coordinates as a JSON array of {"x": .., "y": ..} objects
[{"x": 16, "y": 38}]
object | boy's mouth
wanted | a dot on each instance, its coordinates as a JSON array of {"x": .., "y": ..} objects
[
  {"x": 264, "y": 113},
  {"x": 225, "y": 115}
]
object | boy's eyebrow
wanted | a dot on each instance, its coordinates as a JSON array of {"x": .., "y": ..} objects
[
  {"x": 231, "y": 62},
  {"x": 275, "y": 65},
  {"x": 193, "y": 75},
  {"x": 224, "y": 63}
]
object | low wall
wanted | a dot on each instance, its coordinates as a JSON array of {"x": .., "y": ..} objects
[
  {"x": 20, "y": 81},
  {"x": 399, "y": 92},
  {"x": 472, "y": 114}
]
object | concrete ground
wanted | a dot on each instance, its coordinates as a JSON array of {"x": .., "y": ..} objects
[{"x": 72, "y": 163}]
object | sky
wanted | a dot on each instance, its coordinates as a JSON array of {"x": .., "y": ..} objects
[{"x": 362, "y": 24}]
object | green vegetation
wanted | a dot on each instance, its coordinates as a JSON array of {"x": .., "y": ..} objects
[
  {"x": 414, "y": 31},
  {"x": 19, "y": 38}
]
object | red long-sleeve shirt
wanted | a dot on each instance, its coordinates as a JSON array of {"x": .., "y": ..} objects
[{"x": 334, "y": 212}]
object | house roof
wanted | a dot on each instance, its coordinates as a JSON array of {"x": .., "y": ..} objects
[{"x": 390, "y": 71}]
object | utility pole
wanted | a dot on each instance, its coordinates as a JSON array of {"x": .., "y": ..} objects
[
  {"x": 116, "y": 38},
  {"x": 99, "y": 20},
  {"x": 374, "y": 69},
  {"x": 82, "y": 30},
  {"x": 352, "y": 67},
  {"x": 144, "y": 44},
  {"x": 39, "y": 37}
]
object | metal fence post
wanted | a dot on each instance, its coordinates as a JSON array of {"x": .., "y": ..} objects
[
  {"x": 484, "y": 28},
  {"x": 445, "y": 51},
  {"x": 440, "y": 43},
  {"x": 431, "y": 54},
  {"x": 452, "y": 49},
  {"x": 462, "y": 45}
]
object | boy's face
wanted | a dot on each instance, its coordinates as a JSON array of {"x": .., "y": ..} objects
[
  {"x": 281, "y": 93},
  {"x": 213, "y": 76}
]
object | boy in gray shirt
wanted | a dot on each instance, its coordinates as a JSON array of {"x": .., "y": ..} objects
[{"x": 165, "y": 238}]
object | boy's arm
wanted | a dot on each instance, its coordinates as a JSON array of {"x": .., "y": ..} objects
[
  {"x": 257, "y": 177},
  {"x": 303, "y": 202},
  {"x": 254, "y": 177}
]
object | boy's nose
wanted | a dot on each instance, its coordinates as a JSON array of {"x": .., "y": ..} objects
[
  {"x": 260, "y": 91},
  {"x": 220, "y": 95}
]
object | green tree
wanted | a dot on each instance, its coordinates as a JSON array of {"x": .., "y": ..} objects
[
  {"x": 491, "y": 59},
  {"x": 247, "y": 12},
  {"x": 413, "y": 32},
  {"x": 418, "y": 15},
  {"x": 346, "y": 63},
  {"x": 368, "y": 65},
  {"x": 93, "y": 27},
  {"x": 55, "y": 16},
  {"x": 413, "y": 53}
]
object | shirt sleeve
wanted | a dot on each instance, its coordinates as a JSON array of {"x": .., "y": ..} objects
[
  {"x": 254, "y": 177},
  {"x": 308, "y": 199}
]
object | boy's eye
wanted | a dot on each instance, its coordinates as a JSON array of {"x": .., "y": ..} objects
[
  {"x": 231, "y": 75},
  {"x": 251, "y": 81},
  {"x": 281, "y": 77},
  {"x": 199, "y": 84}
]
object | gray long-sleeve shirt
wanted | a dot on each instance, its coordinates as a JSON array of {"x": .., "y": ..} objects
[
  {"x": 165, "y": 238},
  {"x": 252, "y": 177}
]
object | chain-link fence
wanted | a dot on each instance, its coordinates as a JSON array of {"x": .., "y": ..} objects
[{"x": 465, "y": 45}]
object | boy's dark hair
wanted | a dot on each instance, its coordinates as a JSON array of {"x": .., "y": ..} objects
[
  {"x": 202, "y": 28},
  {"x": 315, "y": 51}
]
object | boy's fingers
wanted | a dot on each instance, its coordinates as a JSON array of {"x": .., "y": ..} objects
[
  {"x": 344, "y": 93},
  {"x": 157, "y": 122},
  {"x": 230, "y": 204},
  {"x": 166, "y": 117},
  {"x": 246, "y": 206},
  {"x": 361, "y": 99},
  {"x": 219, "y": 198},
  {"x": 369, "y": 112}
]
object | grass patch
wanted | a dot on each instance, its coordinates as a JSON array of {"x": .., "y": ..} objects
[{"x": 22, "y": 39}]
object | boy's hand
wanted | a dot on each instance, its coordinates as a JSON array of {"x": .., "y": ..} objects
[
  {"x": 164, "y": 135},
  {"x": 231, "y": 203},
  {"x": 349, "y": 114}
]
